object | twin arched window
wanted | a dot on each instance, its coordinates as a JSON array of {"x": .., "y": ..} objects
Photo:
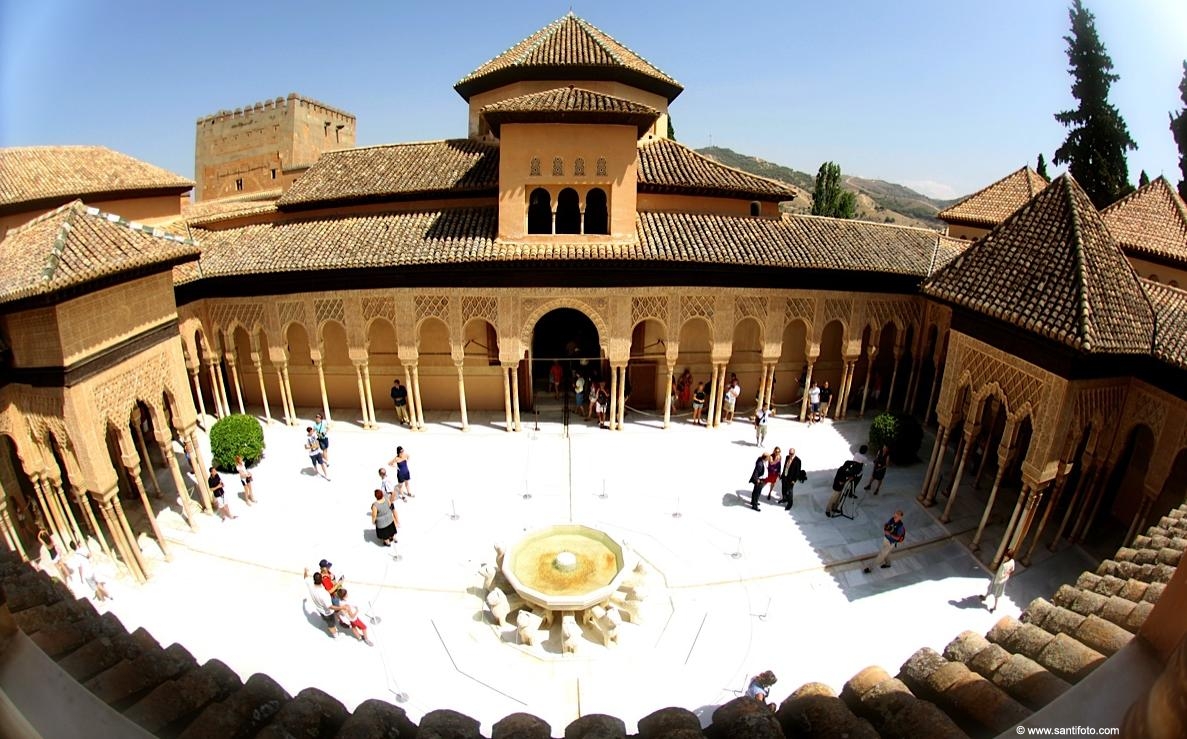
[{"x": 569, "y": 217}]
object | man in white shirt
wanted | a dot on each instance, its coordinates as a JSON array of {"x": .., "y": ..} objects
[
  {"x": 321, "y": 602},
  {"x": 731, "y": 399}
]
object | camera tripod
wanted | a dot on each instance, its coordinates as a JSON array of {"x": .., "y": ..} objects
[{"x": 850, "y": 501}]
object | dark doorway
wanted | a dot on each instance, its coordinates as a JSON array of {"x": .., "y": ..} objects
[{"x": 566, "y": 336}]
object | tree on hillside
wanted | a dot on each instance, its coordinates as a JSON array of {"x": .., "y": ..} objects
[
  {"x": 1095, "y": 147},
  {"x": 1179, "y": 130},
  {"x": 1041, "y": 167},
  {"x": 671, "y": 129},
  {"x": 1143, "y": 179},
  {"x": 829, "y": 198}
]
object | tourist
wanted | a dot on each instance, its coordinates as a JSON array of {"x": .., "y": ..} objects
[
  {"x": 321, "y": 602},
  {"x": 758, "y": 478},
  {"x": 84, "y": 573},
  {"x": 731, "y": 398},
  {"x": 893, "y": 533},
  {"x": 349, "y": 615},
  {"x": 579, "y": 392},
  {"x": 555, "y": 374},
  {"x": 215, "y": 484},
  {"x": 826, "y": 400},
  {"x": 601, "y": 403},
  {"x": 400, "y": 401},
  {"x": 774, "y": 466},
  {"x": 684, "y": 389},
  {"x": 313, "y": 448},
  {"x": 328, "y": 581},
  {"x": 698, "y": 402},
  {"x": 403, "y": 475},
  {"x": 383, "y": 515},
  {"x": 997, "y": 586},
  {"x": 244, "y": 479},
  {"x": 761, "y": 417},
  {"x": 596, "y": 390},
  {"x": 389, "y": 487},
  {"x": 322, "y": 428},
  {"x": 881, "y": 462},
  {"x": 760, "y": 688},
  {"x": 793, "y": 472},
  {"x": 813, "y": 403},
  {"x": 51, "y": 549}
]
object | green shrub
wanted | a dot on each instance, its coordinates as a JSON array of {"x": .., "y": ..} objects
[
  {"x": 901, "y": 432},
  {"x": 233, "y": 435}
]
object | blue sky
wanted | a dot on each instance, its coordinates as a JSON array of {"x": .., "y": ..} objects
[{"x": 942, "y": 95}]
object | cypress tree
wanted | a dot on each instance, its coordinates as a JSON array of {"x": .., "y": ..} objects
[
  {"x": 1179, "y": 131},
  {"x": 1143, "y": 179},
  {"x": 829, "y": 198},
  {"x": 1041, "y": 167},
  {"x": 1095, "y": 147}
]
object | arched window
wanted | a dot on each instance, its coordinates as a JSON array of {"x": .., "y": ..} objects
[
  {"x": 535, "y": 170},
  {"x": 568, "y": 212},
  {"x": 755, "y": 208},
  {"x": 540, "y": 212},
  {"x": 602, "y": 167},
  {"x": 578, "y": 167},
  {"x": 558, "y": 167},
  {"x": 597, "y": 216}
]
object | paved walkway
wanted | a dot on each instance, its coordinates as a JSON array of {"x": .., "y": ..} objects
[{"x": 733, "y": 591}]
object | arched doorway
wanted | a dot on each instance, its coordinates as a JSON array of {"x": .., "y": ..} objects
[
  {"x": 568, "y": 337},
  {"x": 1113, "y": 512}
]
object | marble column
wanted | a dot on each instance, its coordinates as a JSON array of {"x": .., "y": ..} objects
[
  {"x": 84, "y": 504},
  {"x": 370, "y": 397},
  {"x": 54, "y": 481},
  {"x": 411, "y": 408},
  {"x": 843, "y": 410},
  {"x": 970, "y": 438},
  {"x": 898, "y": 354},
  {"x": 10, "y": 533},
  {"x": 143, "y": 448},
  {"x": 198, "y": 467},
  {"x": 1084, "y": 483},
  {"x": 461, "y": 393},
  {"x": 714, "y": 398},
  {"x": 420, "y": 408},
  {"x": 1005, "y": 456},
  {"x": 807, "y": 386},
  {"x": 288, "y": 392},
  {"x": 133, "y": 468},
  {"x": 133, "y": 545},
  {"x": 53, "y": 519},
  {"x": 668, "y": 396},
  {"x": 1098, "y": 496},
  {"x": 358, "y": 372},
  {"x": 622, "y": 399},
  {"x": 325, "y": 397},
  {"x": 507, "y": 395},
  {"x": 1023, "y": 496},
  {"x": 183, "y": 494},
  {"x": 234, "y": 367},
  {"x": 1037, "y": 493},
  {"x": 933, "y": 476},
  {"x": 931, "y": 397},
  {"x": 259, "y": 367},
  {"x": 198, "y": 393},
  {"x": 119, "y": 537},
  {"x": 1051, "y": 503},
  {"x": 871, "y": 352},
  {"x": 284, "y": 401},
  {"x": 214, "y": 383},
  {"x": 514, "y": 397}
]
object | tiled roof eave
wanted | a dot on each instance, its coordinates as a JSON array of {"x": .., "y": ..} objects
[
  {"x": 641, "y": 121},
  {"x": 716, "y": 192},
  {"x": 1161, "y": 256},
  {"x": 496, "y": 78},
  {"x": 47, "y": 293},
  {"x": 54, "y": 200},
  {"x": 376, "y": 198}
]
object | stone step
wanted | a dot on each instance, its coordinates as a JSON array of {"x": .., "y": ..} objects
[
  {"x": 978, "y": 706},
  {"x": 893, "y": 710},
  {"x": 1021, "y": 677},
  {"x": 1058, "y": 653},
  {"x": 1092, "y": 631},
  {"x": 815, "y": 710},
  {"x": 1114, "y": 609}
]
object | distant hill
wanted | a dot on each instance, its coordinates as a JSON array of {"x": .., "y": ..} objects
[{"x": 877, "y": 200}]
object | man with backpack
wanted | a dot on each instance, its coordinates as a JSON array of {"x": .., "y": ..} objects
[{"x": 893, "y": 532}]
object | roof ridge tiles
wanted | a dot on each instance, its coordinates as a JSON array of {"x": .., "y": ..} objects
[{"x": 54, "y": 259}]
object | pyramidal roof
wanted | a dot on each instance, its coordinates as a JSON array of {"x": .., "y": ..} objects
[
  {"x": 1151, "y": 222},
  {"x": 569, "y": 105},
  {"x": 994, "y": 204},
  {"x": 569, "y": 48},
  {"x": 76, "y": 244},
  {"x": 1053, "y": 269}
]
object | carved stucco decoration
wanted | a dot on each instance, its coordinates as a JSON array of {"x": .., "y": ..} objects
[
  {"x": 485, "y": 307},
  {"x": 533, "y": 309},
  {"x": 291, "y": 311},
  {"x": 654, "y": 307},
  {"x": 225, "y": 315},
  {"x": 379, "y": 307},
  {"x": 800, "y": 309}
]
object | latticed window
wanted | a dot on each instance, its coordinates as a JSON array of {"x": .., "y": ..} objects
[
  {"x": 558, "y": 167},
  {"x": 578, "y": 167},
  {"x": 602, "y": 166},
  {"x": 535, "y": 168}
]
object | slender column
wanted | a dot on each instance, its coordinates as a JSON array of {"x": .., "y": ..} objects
[
  {"x": 263, "y": 391},
  {"x": 358, "y": 372},
  {"x": 412, "y": 422},
  {"x": 235, "y": 381},
  {"x": 929, "y": 498},
  {"x": 54, "y": 483},
  {"x": 370, "y": 397},
  {"x": 1138, "y": 519},
  {"x": 506, "y": 395},
  {"x": 84, "y": 504},
  {"x": 1037, "y": 493},
  {"x": 613, "y": 394},
  {"x": 183, "y": 493},
  {"x": 152, "y": 473},
  {"x": 288, "y": 393},
  {"x": 931, "y": 397},
  {"x": 668, "y": 396},
  {"x": 713, "y": 397},
  {"x": 768, "y": 388},
  {"x": 898, "y": 354},
  {"x": 284, "y": 398},
  {"x": 913, "y": 382},
  {"x": 53, "y": 517},
  {"x": 198, "y": 467},
  {"x": 807, "y": 385},
  {"x": 622, "y": 399},
  {"x": 133, "y": 545},
  {"x": 1098, "y": 496},
  {"x": 10, "y": 534},
  {"x": 1023, "y": 495},
  {"x": 931, "y": 468},
  {"x": 844, "y": 409},
  {"x": 198, "y": 393},
  {"x": 838, "y": 401},
  {"x": 420, "y": 409},
  {"x": 997, "y": 407},
  {"x": 871, "y": 351},
  {"x": 719, "y": 388},
  {"x": 218, "y": 403},
  {"x": 514, "y": 396},
  {"x": 1052, "y": 501},
  {"x": 969, "y": 439},
  {"x": 1004, "y": 456},
  {"x": 461, "y": 394},
  {"x": 1084, "y": 483},
  {"x": 321, "y": 383},
  {"x": 120, "y": 538},
  {"x": 134, "y": 473}
]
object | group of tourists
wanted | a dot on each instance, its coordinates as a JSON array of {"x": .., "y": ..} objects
[
  {"x": 770, "y": 469},
  {"x": 329, "y": 598},
  {"x": 317, "y": 446},
  {"x": 218, "y": 491},
  {"x": 75, "y": 567},
  {"x": 383, "y": 510}
]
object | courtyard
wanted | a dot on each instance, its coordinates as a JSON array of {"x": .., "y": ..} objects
[{"x": 732, "y": 591}]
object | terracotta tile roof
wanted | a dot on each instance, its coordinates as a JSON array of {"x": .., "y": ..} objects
[
  {"x": 74, "y": 245},
  {"x": 947, "y": 249},
  {"x": 668, "y": 167},
  {"x": 467, "y": 235},
  {"x": 450, "y": 167},
  {"x": 1170, "y": 336},
  {"x": 569, "y": 105},
  {"x": 32, "y": 174},
  {"x": 569, "y": 48},
  {"x": 211, "y": 211},
  {"x": 1151, "y": 221},
  {"x": 992, "y": 205},
  {"x": 1054, "y": 269}
]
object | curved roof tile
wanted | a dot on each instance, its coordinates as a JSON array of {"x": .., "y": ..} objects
[
  {"x": 993, "y": 204},
  {"x": 666, "y": 166},
  {"x": 1151, "y": 222},
  {"x": 32, "y": 174},
  {"x": 569, "y": 105}
]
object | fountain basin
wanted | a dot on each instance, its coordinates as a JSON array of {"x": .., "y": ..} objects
[{"x": 566, "y": 567}]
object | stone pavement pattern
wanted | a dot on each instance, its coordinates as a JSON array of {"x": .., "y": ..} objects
[{"x": 738, "y": 591}]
